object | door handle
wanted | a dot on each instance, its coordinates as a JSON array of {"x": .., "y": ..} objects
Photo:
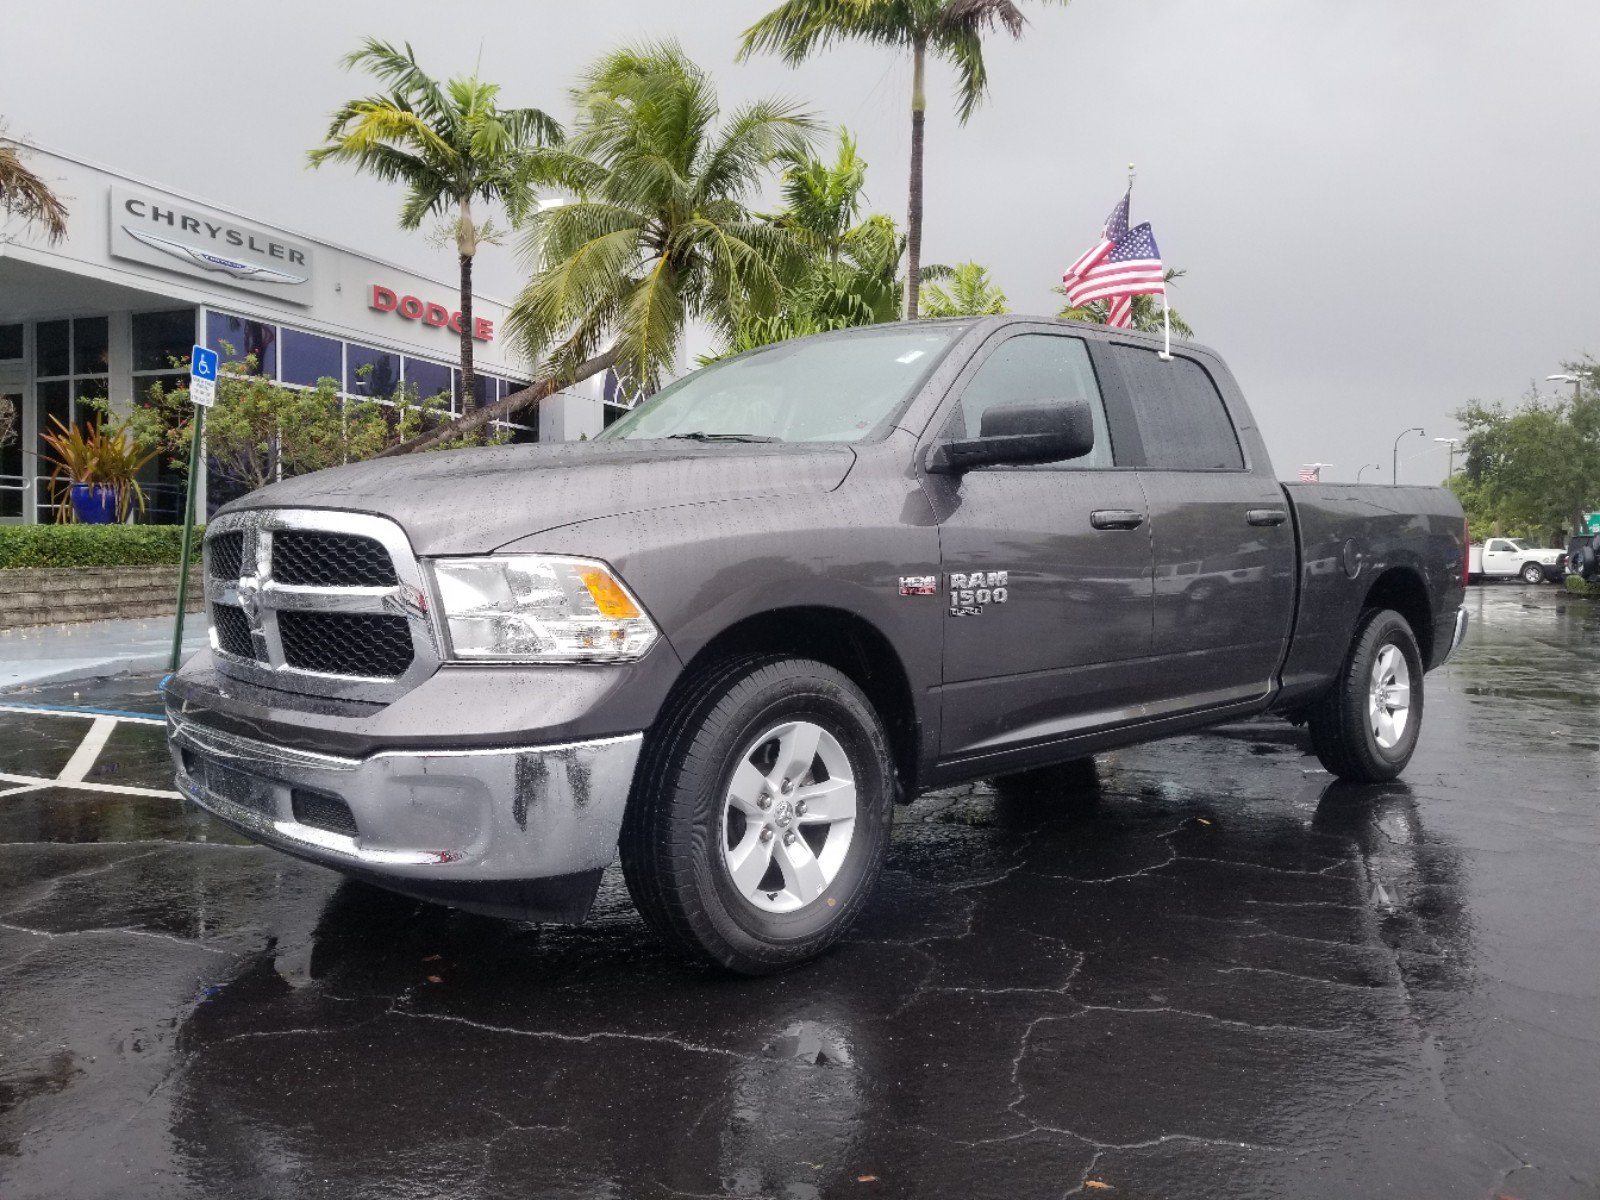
[
  {"x": 1266, "y": 516},
  {"x": 1116, "y": 518}
]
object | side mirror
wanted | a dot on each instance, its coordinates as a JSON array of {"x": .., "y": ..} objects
[{"x": 1040, "y": 431}]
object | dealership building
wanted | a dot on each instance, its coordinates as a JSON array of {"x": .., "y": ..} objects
[{"x": 144, "y": 273}]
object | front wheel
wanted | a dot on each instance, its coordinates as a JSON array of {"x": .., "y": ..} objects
[
  {"x": 761, "y": 813},
  {"x": 1365, "y": 728},
  {"x": 1532, "y": 573}
]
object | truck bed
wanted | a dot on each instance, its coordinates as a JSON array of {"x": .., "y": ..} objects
[{"x": 1348, "y": 536}]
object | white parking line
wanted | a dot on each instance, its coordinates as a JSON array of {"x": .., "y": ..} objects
[
  {"x": 82, "y": 760},
  {"x": 114, "y": 789},
  {"x": 52, "y": 710}
]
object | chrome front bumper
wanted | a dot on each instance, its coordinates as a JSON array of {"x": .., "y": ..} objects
[{"x": 452, "y": 818}]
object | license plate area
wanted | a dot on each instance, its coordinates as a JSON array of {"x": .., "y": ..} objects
[{"x": 249, "y": 792}]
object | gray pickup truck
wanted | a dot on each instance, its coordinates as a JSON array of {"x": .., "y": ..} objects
[{"x": 791, "y": 590}]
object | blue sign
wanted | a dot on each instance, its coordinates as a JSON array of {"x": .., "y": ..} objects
[
  {"x": 203, "y": 365},
  {"x": 203, "y": 377}
]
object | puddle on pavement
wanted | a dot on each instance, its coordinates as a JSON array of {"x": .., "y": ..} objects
[{"x": 67, "y": 815}]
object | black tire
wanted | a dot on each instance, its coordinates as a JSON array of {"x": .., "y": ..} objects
[
  {"x": 1532, "y": 573},
  {"x": 671, "y": 853},
  {"x": 1341, "y": 733}
]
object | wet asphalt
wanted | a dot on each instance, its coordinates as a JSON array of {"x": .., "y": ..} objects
[{"x": 1204, "y": 970}]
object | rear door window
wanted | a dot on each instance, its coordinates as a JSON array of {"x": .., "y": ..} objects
[
  {"x": 1035, "y": 367},
  {"x": 1182, "y": 420}
]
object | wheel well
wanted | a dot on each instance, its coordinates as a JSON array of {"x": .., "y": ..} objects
[
  {"x": 847, "y": 643},
  {"x": 1402, "y": 589}
]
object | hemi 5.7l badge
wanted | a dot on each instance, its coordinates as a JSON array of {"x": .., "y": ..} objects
[
  {"x": 919, "y": 585},
  {"x": 971, "y": 592}
]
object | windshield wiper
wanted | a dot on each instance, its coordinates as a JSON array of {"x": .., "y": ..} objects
[{"x": 702, "y": 436}]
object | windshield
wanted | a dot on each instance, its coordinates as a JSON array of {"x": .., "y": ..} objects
[{"x": 837, "y": 388}]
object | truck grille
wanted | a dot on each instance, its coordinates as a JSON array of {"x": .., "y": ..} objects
[
  {"x": 365, "y": 644},
  {"x": 233, "y": 630},
  {"x": 225, "y": 554},
  {"x": 307, "y": 558},
  {"x": 318, "y": 601}
]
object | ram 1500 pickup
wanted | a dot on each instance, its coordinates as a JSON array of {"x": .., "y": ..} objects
[{"x": 728, "y": 634}]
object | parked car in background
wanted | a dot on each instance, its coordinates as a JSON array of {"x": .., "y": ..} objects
[
  {"x": 1505, "y": 558},
  {"x": 1583, "y": 556}
]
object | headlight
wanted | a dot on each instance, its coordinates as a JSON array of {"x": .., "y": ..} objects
[{"x": 539, "y": 608}]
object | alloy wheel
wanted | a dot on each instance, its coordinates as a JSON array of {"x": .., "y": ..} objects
[
  {"x": 1389, "y": 697},
  {"x": 788, "y": 816}
]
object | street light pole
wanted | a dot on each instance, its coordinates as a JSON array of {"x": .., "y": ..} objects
[
  {"x": 1368, "y": 466},
  {"x": 1394, "y": 473},
  {"x": 1451, "y": 443},
  {"x": 1575, "y": 380}
]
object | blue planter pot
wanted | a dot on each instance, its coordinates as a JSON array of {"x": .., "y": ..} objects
[{"x": 94, "y": 504}]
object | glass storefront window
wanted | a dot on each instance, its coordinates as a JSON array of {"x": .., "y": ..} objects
[
  {"x": 90, "y": 342},
  {"x": 160, "y": 337},
  {"x": 307, "y": 358},
  {"x": 10, "y": 341},
  {"x": 51, "y": 340},
  {"x": 428, "y": 378},
  {"x": 370, "y": 372},
  {"x": 236, "y": 339}
]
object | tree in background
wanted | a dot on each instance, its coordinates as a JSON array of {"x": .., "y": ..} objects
[
  {"x": 659, "y": 232},
  {"x": 23, "y": 194},
  {"x": 964, "y": 290},
  {"x": 452, "y": 146},
  {"x": 1533, "y": 470},
  {"x": 851, "y": 276},
  {"x": 1146, "y": 312},
  {"x": 260, "y": 431},
  {"x": 952, "y": 30}
]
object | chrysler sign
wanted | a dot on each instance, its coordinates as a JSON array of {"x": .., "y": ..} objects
[{"x": 154, "y": 230}]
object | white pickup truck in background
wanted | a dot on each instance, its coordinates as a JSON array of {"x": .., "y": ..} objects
[{"x": 1502, "y": 558}]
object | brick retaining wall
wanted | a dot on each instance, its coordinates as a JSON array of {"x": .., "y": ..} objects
[{"x": 48, "y": 595}]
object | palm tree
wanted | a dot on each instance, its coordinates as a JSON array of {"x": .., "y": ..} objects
[
  {"x": 949, "y": 29},
  {"x": 450, "y": 145},
  {"x": 971, "y": 293},
  {"x": 658, "y": 233},
  {"x": 1146, "y": 314},
  {"x": 23, "y": 194}
]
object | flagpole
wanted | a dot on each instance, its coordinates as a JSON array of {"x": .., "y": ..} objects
[{"x": 1166, "y": 325}]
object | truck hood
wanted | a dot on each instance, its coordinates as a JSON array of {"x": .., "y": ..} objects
[{"x": 474, "y": 501}]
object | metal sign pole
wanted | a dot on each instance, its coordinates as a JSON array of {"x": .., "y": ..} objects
[
  {"x": 203, "y": 366},
  {"x": 188, "y": 534}
]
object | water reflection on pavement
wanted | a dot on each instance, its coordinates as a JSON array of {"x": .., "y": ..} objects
[{"x": 1204, "y": 970}]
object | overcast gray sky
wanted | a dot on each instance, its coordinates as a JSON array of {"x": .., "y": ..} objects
[{"x": 1385, "y": 206}]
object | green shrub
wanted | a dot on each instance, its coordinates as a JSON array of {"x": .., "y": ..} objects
[
  {"x": 1579, "y": 587},
  {"x": 93, "y": 545}
]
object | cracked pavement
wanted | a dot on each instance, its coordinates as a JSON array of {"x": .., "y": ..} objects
[{"x": 1201, "y": 969}]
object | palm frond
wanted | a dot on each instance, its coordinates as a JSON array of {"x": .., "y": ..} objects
[{"x": 24, "y": 194}]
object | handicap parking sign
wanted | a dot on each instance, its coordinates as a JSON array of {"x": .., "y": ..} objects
[{"x": 203, "y": 376}]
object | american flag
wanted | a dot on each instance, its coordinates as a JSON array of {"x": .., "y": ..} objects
[
  {"x": 1116, "y": 225},
  {"x": 1132, "y": 267},
  {"x": 1311, "y": 474}
]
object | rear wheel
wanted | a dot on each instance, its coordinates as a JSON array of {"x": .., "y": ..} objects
[
  {"x": 1365, "y": 728},
  {"x": 1532, "y": 573},
  {"x": 761, "y": 814}
]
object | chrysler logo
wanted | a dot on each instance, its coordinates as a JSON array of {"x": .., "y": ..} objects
[{"x": 255, "y": 272}]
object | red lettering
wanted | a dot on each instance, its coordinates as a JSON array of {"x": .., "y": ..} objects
[
  {"x": 438, "y": 314},
  {"x": 483, "y": 329},
  {"x": 383, "y": 299},
  {"x": 411, "y": 308},
  {"x": 455, "y": 322}
]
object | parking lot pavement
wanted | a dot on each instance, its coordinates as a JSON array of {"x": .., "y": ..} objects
[{"x": 1212, "y": 972}]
